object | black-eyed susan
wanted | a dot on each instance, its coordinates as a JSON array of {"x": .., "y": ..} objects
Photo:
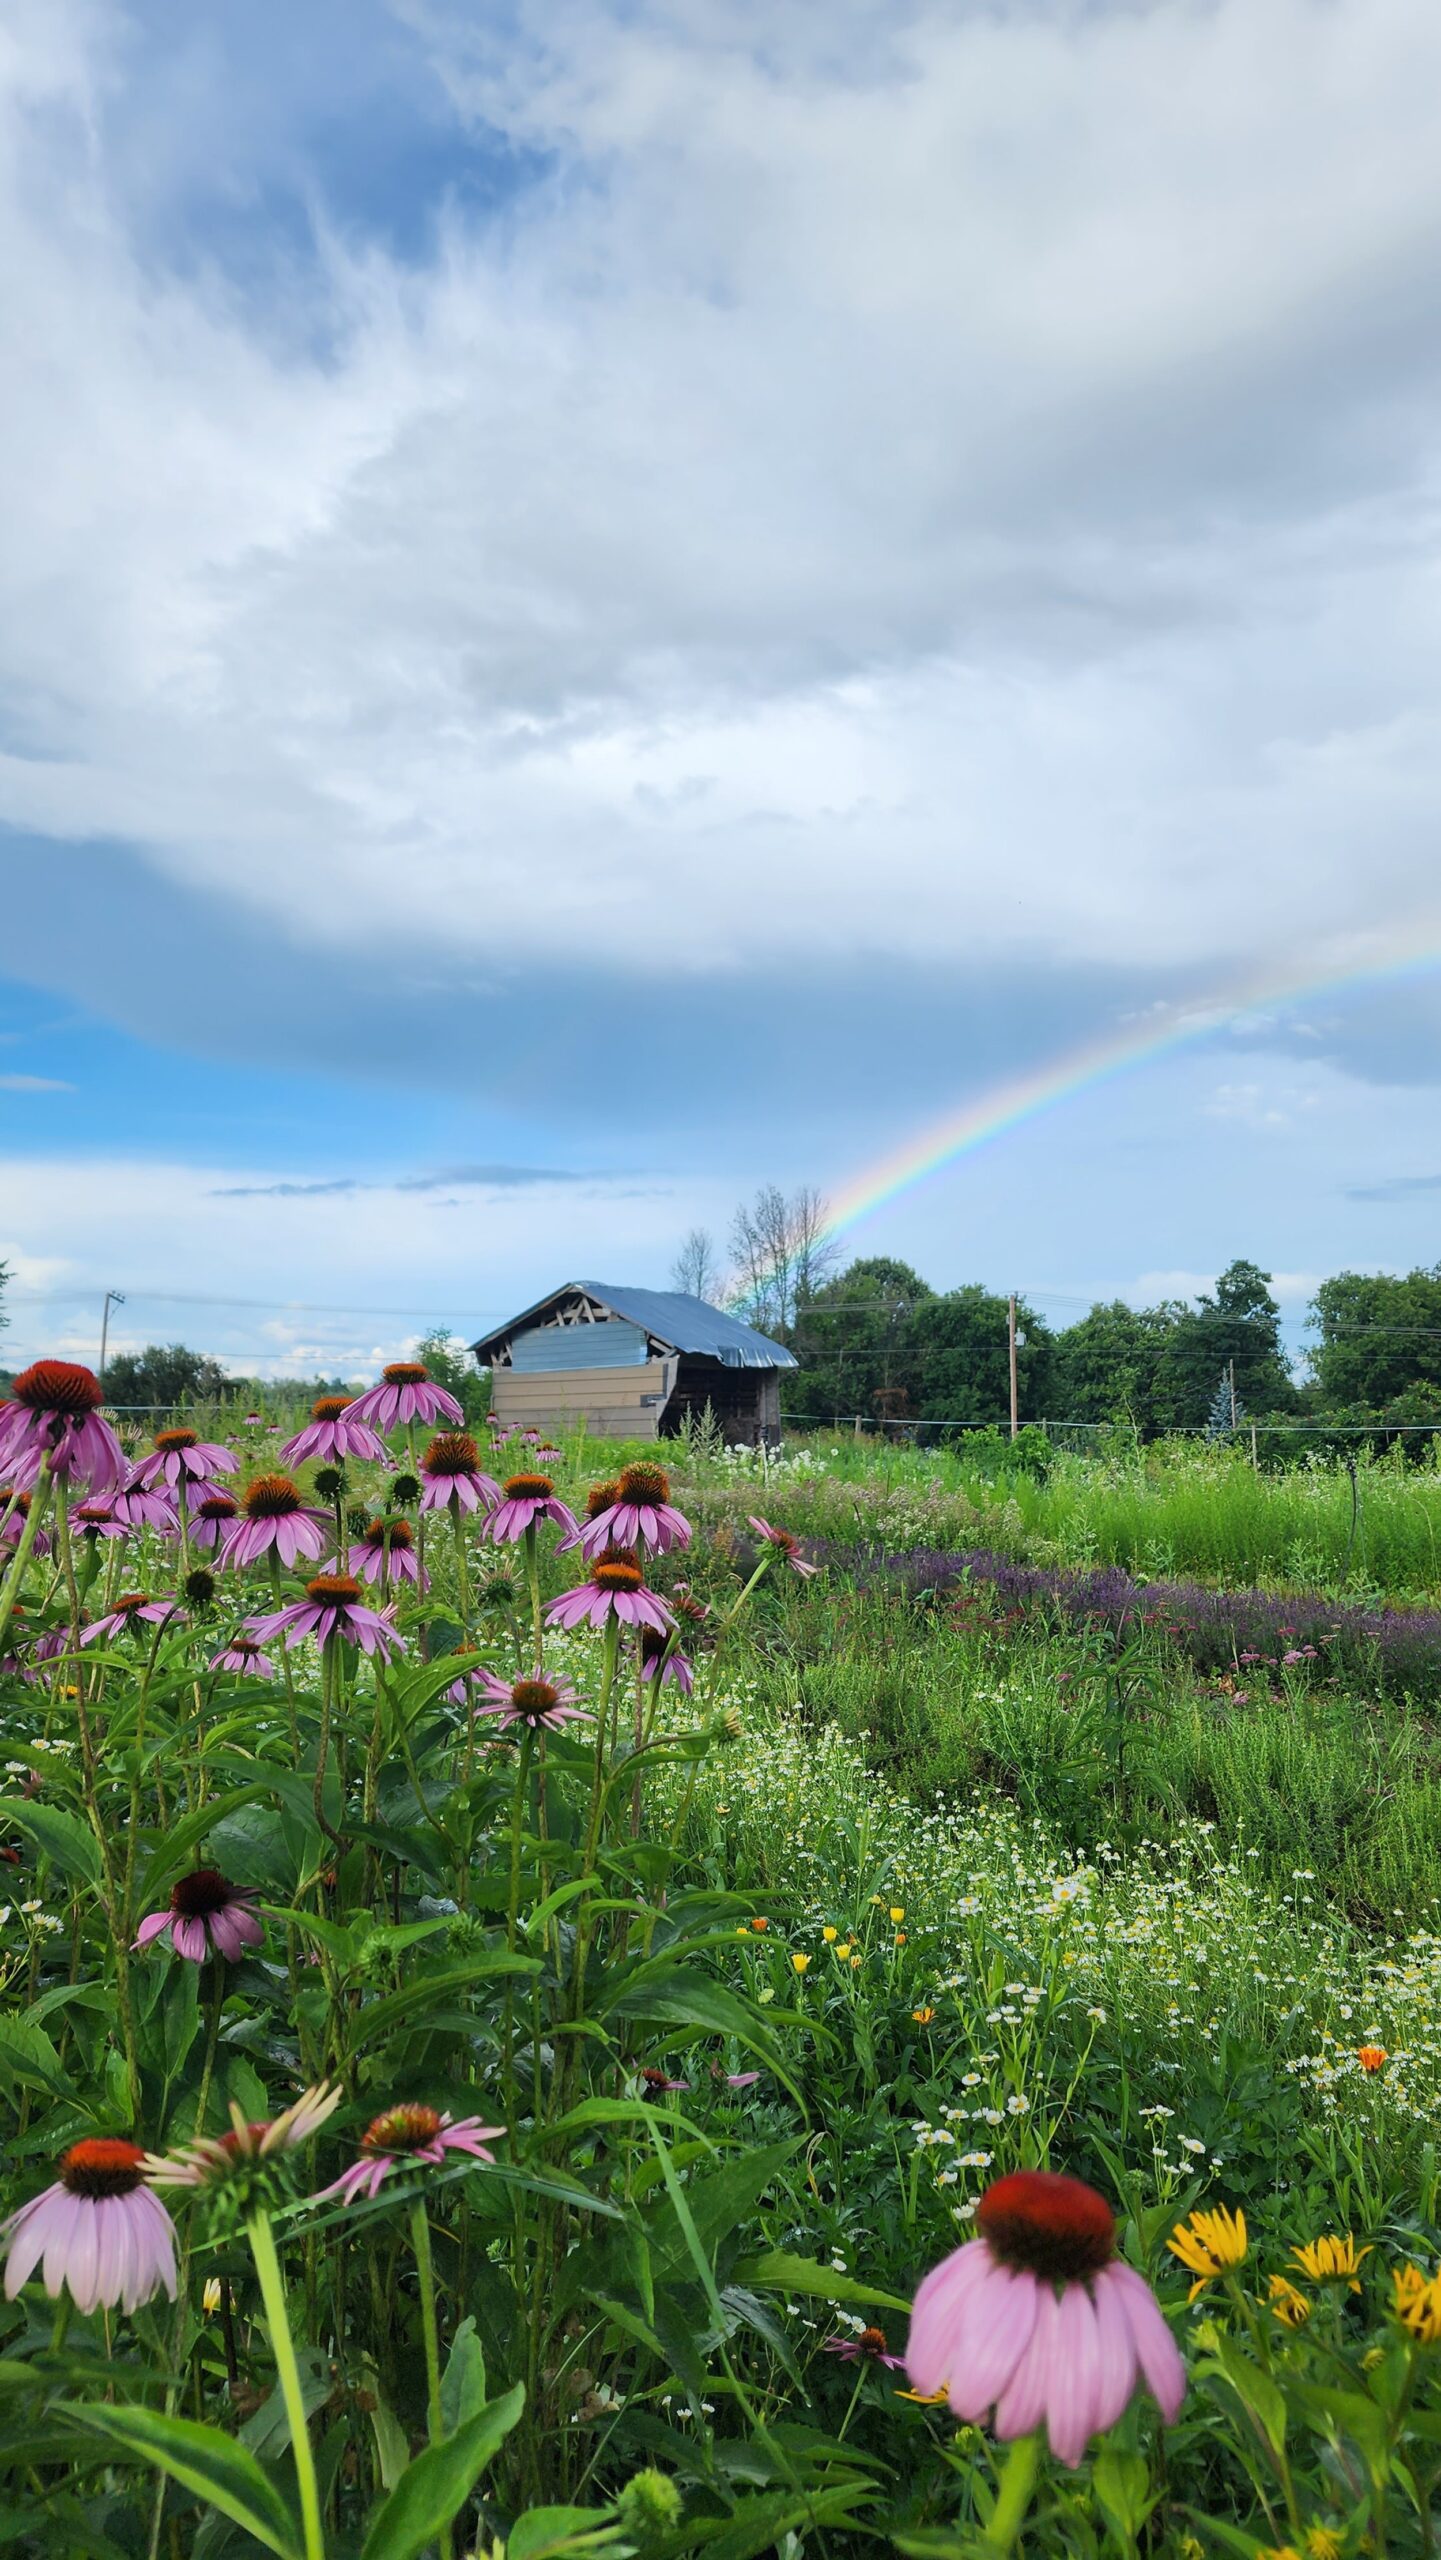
[
  {"x": 1332, "y": 2259},
  {"x": 1287, "y": 2304},
  {"x": 1209, "y": 2244},
  {"x": 1416, "y": 2301}
]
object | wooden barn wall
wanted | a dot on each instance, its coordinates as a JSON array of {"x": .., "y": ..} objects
[{"x": 619, "y": 1404}]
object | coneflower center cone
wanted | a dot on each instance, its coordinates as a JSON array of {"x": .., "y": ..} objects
[
  {"x": 58, "y": 1386},
  {"x": 1047, "y": 2225},
  {"x": 406, "y": 2128},
  {"x": 102, "y": 2165},
  {"x": 271, "y": 1498}
]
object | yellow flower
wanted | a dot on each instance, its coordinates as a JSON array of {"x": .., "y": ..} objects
[
  {"x": 924, "y": 2399},
  {"x": 210, "y": 2298},
  {"x": 898, "y": 1912},
  {"x": 1209, "y": 2243},
  {"x": 843, "y": 1950},
  {"x": 923, "y": 2017},
  {"x": 1416, "y": 2301},
  {"x": 829, "y": 1934},
  {"x": 800, "y": 1963},
  {"x": 1277, "y": 2551},
  {"x": 1330, "y": 2257},
  {"x": 1288, "y": 2306},
  {"x": 1322, "y": 2543}
]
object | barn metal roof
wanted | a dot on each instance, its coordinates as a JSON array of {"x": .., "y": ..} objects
[{"x": 682, "y": 1323}]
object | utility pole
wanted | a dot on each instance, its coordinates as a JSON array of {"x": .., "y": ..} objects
[
  {"x": 1231, "y": 1365},
  {"x": 1011, "y": 1344},
  {"x": 113, "y": 1298}
]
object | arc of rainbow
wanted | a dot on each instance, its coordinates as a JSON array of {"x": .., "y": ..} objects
[{"x": 1005, "y": 1106}]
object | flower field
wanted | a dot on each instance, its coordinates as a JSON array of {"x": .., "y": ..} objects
[{"x": 554, "y": 2004}]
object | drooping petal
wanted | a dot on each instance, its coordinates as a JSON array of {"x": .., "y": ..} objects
[
  {"x": 994, "y": 2339},
  {"x": 939, "y": 2308},
  {"x": 153, "y": 1927},
  {"x": 1157, "y": 2353},
  {"x": 1075, "y": 2390},
  {"x": 1118, "y": 2355},
  {"x": 1023, "y": 2403}
]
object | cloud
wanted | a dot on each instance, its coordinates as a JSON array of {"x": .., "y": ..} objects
[
  {"x": 485, "y": 1177},
  {"x": 903, "y": 484},
  {"x": 34, "y": 1084},
  {"x": 1399, "y": 1186}
]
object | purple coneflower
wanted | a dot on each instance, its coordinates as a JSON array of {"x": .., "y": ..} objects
[
  {"x": 141, "y": 1506},
  {"x": 450, "y": 1473},
  {"x": 244, "y": 1655},
  {"x": 406, "y": 1392},
  {"x": 54, "y": 1410},
  {"x": 387, "y": 1553},
  {"x": 788, "y": 1543},
  {"x": 13, "y": 1529},
  {"x": 616, "y": 1589},
  {"x": 98, "y": 1520},
  {"x": 527, "y": 1499},
  {"x": 334, "y": 1431},
  {"x": 211, "y": 2159},
  {"x": 99, "y": 2230},
  {"x": 867, "y": 2346},
  {"x": 1038, "y": 2320},
  {"x": 404, "y": 2136},
  {"x": 133, "y": 1609},
  {"x": 207, "y": 1916},
  {"x": 181, "y": 1457},
  {"x": 210, "y": 1520},
  {"x": 534, "y": 1702},
  {"x": 273, "y": 1516},
  {"x": 659, "y": 1661},
  {"x": 642, "y": 1514},
  {"x": 332, "y": 1607}
]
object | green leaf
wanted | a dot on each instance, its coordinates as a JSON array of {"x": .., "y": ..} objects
[
  {"x": 435, "y": 2488},
  {"x": 462, "y": 2385},
  {"x": 67, "y": 1842},
  {"x": 211, "y": 2465},
  {"x": 27, "y": 2052},
  {"x": 789, "y": 2274},
  {"x": 172, "y": 1852},
  {"x": 427, "y": 1990},
  {"x": 542, "y": 2531},
  {"x": 760, "y": 2522}
]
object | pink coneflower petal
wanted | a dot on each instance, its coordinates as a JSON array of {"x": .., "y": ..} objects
[
  {"x": 1156, "y": 2351},
  {"x": 1024, "y": 2398},
  {"x": 983, "y": 2363}
]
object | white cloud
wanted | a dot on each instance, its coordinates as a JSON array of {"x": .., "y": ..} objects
[
  {"x": 912, "y": 480},
  {"x": 35, "y": 1084},
  {"x": 291, "y": 1284}
]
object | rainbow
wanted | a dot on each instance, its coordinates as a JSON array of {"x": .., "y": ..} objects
[{"x": 961, "y": 1131}]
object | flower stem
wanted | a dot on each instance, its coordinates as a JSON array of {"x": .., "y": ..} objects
[
  {"x": 425, "y": 2269},
  {"x": 10, "y": 1590},
  {"x": 1013, "y": 2498},
  {"x": 287, "y": 2371}
]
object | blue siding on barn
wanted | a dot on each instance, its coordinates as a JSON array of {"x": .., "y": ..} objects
[{"x": 610, "y": 1344}]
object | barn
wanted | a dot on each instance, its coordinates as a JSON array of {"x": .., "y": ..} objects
[{"x": 631, "y": 1364}]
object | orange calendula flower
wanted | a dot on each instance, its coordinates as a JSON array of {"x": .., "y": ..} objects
[
  {"x": 760, "y": 1924},
  {"x": 1208, "y": 2244},
  {"x": 900, "y": 1937},
  {"x": 923, "y": 2017},
  {"x": 1372, "y": 2057}
]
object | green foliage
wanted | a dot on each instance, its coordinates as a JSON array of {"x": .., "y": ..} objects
[{"x": 165, "y": 1376}]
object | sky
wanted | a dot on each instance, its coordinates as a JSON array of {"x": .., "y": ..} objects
[{"x": 607, "y": 601}]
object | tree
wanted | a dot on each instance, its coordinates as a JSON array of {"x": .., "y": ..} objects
[
  {"x": 164, "y": 1376},
  {"x": 783, "y": 1251},
  {"x": 1240, "y": 1323},
  {"x": 961, "y": 1360},
  {"x": 850, "y": 1339},
  {"x": 696, "y": 1269},
  {"x": 1380, "y": 1336},
  {"x": 1104, "y": 1366}
]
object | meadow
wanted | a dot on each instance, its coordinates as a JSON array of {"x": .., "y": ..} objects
[{"x": 520, "y": 1967}]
